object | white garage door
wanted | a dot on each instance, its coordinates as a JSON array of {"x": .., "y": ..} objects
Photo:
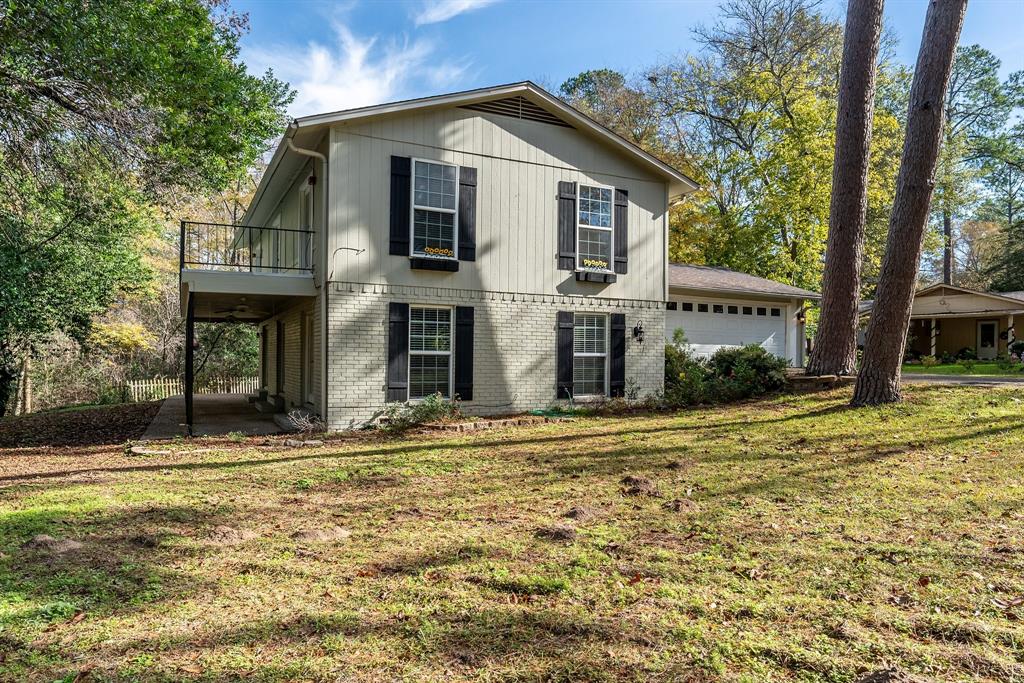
[{"x": 710, "y": 325}]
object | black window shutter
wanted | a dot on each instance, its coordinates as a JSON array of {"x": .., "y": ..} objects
[
  {"x": 564, "y": 333},
  {"x": 617, "y": 360},
  {"x": 398, "y": 352},
  {"x": 464, "y": 352},
  {"x": 566, "y": 226},
  {"x": 401, "y": 184},
  {"x": 467, "y": 214},
  {"x": 621, "y": 222}
]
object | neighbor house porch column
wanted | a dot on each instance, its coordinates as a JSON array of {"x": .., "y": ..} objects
[
  {"x": 934, "y": 334},
  {"x": 1010, "y": 337}
]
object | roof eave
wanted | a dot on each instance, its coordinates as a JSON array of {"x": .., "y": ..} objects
[
  {"x": 680, "y": 184},
  {"x": 748, "y": 292}
]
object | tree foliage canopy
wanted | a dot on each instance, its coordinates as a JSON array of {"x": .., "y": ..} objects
[
  {"x": 751, "y": 116},
  {"x": 106, "y": 109}
]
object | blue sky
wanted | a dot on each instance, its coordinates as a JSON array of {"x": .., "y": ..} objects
[{"x": 348, "y": 54}]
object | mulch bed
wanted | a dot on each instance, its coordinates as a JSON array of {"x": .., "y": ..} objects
[{"x": 93, "y": 426}]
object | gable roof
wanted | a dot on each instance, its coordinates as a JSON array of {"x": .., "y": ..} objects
[
  {"x": 306, "y": 130},
  {"x": 531, "y": 92},
  {"x": 710, "y": 278},
  {"x": 1014, "y": 298},
  {"x": 1004, "y": 297}
]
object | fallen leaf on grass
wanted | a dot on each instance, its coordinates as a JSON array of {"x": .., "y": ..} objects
[
  {"x": 923, "y": 581},
  {"x": 1007, "y": 604}
]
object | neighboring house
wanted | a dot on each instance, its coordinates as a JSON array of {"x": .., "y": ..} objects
[
  {"x": 945, "y": 320},
  {"x": 495, "y": 245},
  {"x": 717, "y": 307}
]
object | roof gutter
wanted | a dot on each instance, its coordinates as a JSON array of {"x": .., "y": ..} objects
[{"x": 319, "y": 273}]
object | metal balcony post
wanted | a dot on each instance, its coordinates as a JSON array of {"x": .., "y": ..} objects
[{"x": 190, "y": 337}]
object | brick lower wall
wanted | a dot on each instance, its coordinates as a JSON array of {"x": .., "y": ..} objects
[
  {"x": 514, "y": 357},
  {"x": 292, "y": 320}
]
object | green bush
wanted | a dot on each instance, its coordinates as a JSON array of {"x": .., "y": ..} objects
[
  {"x": 967, "y": 364},
  {"x": 929, "y": 361},
  {"x": 966, "y": 353},
  {"x": 1017, "y": 348},
  {"x": 433, "y": 408},
  {"x": 745, "y": 372},
  {"x": 729, "y": 375}
]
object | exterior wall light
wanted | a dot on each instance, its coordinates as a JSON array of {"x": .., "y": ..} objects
[{"x": 638, "y": 332}]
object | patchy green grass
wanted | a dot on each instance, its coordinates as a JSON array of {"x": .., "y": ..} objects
[
  {"x": 810, "y": 542},
  {"x": 954, "y": 369}
]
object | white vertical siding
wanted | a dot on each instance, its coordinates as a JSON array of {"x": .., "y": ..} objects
[{"x": 519, "y": 164}]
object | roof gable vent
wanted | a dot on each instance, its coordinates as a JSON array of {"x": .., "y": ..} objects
[{"x": 517, "y": 107}]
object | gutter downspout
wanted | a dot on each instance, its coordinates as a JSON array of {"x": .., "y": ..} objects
[{"x": 323, "y": 253}]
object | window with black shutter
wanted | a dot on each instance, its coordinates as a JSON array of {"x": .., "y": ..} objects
[
  {"x": 464, "y": 316},
  {"x": 467, "y": 213},
  {"x": 617, "y": 356},
  {"x": 566, "y": 225},
  {"x": 401, "y": 173},
  {"x": 565, "y": 321},
  {"x": 398, "y": 352},
  {"x": 621, "y": 224}
]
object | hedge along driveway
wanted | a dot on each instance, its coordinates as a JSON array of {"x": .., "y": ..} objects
[{"x": 792, "y": 538}]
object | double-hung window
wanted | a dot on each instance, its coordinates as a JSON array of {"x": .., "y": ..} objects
[
  {"x": 430, "y": 352},
  {"x": 590, "y": 354},
  {"x": 594, "y": 228},
  {"x": 435, "y": 202}
]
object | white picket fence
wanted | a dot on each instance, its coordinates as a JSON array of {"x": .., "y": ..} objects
[{"x": 157, "y": 388}]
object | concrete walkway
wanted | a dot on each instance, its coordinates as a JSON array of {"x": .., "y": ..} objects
[
  {"x": 973, "y": 380},
  {"x": 214, "y": 414}
]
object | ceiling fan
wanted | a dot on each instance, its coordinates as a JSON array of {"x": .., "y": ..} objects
[{"x": 240, "y": 311}]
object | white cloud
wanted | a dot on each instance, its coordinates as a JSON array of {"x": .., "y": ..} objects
[
  {"x": 355, "y": 71},
  {"x": 436, "y": 11}
]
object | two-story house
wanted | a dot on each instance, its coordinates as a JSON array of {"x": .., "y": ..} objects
[{"x": 495, "y": 245}]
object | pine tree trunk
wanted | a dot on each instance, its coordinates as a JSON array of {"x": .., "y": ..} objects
[
  {"x": 835, "y": 343},
  {"x": 947, "y": 248},
  {"x": 879, "y": 378}
]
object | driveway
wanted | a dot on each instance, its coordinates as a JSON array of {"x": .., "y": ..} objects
[{"x": 974, "y": 380}]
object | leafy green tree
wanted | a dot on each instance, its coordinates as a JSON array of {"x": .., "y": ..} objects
[
  {"x": 607, "y": 97},
  {"x": 105, "y": 109},
  {"x": 977, "y": 108}
]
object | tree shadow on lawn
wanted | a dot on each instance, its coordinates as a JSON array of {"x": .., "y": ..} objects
[
  {"x": 491, "y": 636},
  {"x": 125, "y": 562},
  {"x": 424, "y": 443}
]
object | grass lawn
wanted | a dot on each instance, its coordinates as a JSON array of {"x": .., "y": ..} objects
[
  {"x": 953, "y": 369},
  {"x": 790, "y": 539}
]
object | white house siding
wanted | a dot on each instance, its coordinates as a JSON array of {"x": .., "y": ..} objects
[
  {"x": 514, "y": 352},
  {"x": 519, "y": 164}
]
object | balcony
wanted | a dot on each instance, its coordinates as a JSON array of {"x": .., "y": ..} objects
[
  {"x": 243, "y": 272},
  {"x": 245, "y": 248}
]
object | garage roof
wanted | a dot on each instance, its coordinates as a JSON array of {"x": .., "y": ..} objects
[{"x": 710, "y": 278}]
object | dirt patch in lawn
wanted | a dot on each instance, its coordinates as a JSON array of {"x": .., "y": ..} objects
[{"x": 91, "y": 426}]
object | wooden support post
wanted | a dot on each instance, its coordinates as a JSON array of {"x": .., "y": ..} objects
[
  {"x": 190, "y": 336},
  {"x": 934, "y": 333},
  {"x": 1010, "y": 336}
]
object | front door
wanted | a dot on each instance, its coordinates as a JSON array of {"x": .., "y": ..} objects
[{"x": 988, "y": 339}]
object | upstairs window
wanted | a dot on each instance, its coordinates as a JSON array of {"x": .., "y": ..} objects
[
  {"x": 435, "y": 189},
  {"x": 430, "y": 352},
  {"x": 594, "y": 228},
  {"x": 590, "y": 354}
]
